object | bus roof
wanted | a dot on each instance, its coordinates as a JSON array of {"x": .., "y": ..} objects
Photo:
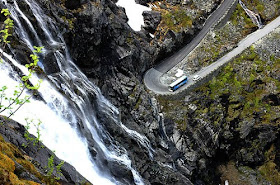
[{"x": 178, "y": 81}]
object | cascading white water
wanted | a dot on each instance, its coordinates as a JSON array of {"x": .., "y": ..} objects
[
  {"x": 62, "y": 115},
  {"x": 57, "y": 134}
]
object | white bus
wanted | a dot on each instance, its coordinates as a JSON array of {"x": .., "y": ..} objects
[{"x": 178, "y": 83}]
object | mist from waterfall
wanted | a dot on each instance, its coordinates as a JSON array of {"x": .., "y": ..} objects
[{"x": 63, "y": 114}]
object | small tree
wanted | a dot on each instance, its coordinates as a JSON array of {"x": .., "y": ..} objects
[{"x": 7, "y": 103}]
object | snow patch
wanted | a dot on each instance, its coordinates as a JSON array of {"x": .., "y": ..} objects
[{"x": 134, "y": 13}]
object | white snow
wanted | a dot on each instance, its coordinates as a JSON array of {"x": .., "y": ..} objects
[{"x": 134, "y": 13}]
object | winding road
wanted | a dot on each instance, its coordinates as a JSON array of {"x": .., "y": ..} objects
[{"x": 153, "y": 75}]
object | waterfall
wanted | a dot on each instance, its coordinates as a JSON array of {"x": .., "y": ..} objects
[
  {"x": 69, "y": 122},
  {"x": 57, "y": 134},
  {"x": 256, "y": 19}
]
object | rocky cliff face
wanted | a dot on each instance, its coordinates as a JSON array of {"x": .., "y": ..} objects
[
  {"x": 26, "y": 162},
  {"x": 236, "y": 116},
  {"x": 116, "y": 57},
  {"x": 193, "y": 140},
  {"x": 101, "y": 38}
]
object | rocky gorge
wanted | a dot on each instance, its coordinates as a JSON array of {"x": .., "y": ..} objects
[{"x": 206, "y": 137}]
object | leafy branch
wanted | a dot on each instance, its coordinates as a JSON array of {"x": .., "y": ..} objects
[
  {"x": 16, "y": 98},
  {"x": 35, "y": 141},
  {"x": 51, "y": 168},
  {"x": 8, "y": 102},
  {"x": 5, "y": 33}
]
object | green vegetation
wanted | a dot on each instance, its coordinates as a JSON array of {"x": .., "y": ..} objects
[
  {"x": 256, "y": 5},
  {"x": 51, "y": 167},
  {"x": 70, "y": 22},
  {"x": 35, "y": 141},
  {"x": 5, "y": 33},
  {"x": 9, "y": 154},
  {"x": 223, "y": 39},
  {"x": 230, "y": 34},
  {"x": 7, "y": 103},
  {"x": 269, "y": 169},
  {"x": 239, "y": 16},
  {"x": 11, "y": 104},
  {"x": 241, "y": 90},
  {"x": 9, "y": 24},
  {"x": 249, "y": 85},
  {"x": 260, "y": 7},
  {"x": 244, "y": 91},
  {"x": 176, "y": 19},
  {"x": 175, "y": 109},
  {"x": 14, "y": 102},
  {"x": 278, "y": 4}
]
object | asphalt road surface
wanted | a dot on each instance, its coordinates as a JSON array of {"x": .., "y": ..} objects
[{"x": 152, "y": 76}]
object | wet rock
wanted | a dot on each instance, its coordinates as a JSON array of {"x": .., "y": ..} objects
[
  {"x": 21, "y": 54},
  {"x": 116, "y": 57},
  {"x": 13, "y": 132},
  {"x": 120, "y": 170},
  {"x": 50, "y": 65},
  {"x": 167, "y": 175},
  {"x": 93, "y": 152}
]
